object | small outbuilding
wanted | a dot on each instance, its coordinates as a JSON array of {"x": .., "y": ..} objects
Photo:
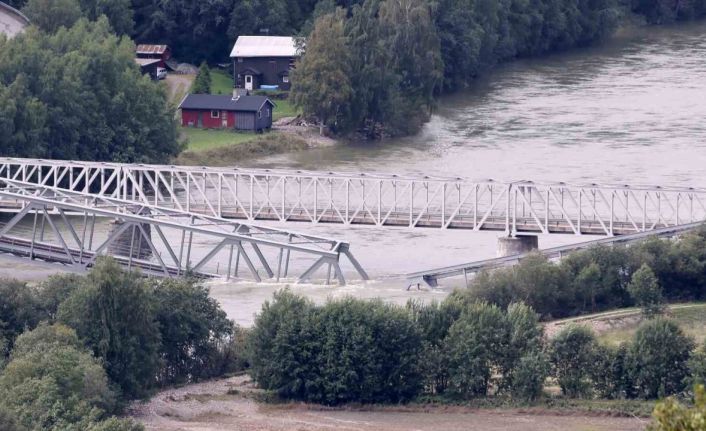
[
  {"x": 207, "y": 111},
  {"x": 154, "y": 52},
  {"x": 148, "y": 66}
]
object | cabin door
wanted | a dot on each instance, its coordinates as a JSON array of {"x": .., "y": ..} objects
[{"x": 248, "y": 82}]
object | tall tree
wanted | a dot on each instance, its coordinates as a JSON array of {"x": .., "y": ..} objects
[
  {"x": 321, "y": 83},
  {"x": 50, "y": 15}
]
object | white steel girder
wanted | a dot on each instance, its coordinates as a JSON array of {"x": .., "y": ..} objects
[{"x": 522, "y": 207}]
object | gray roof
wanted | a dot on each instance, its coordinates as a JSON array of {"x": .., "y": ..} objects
[{"x": 224, "y": 103}]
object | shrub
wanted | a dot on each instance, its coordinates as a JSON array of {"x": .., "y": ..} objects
[
  {"x": 193, "y": 328},
  {"x": 646, "y": 292},
  {"x": 113, "y": 313},
  {"x": 658, "y": 358},
  {"x": 670, "y": 415},
  {"x": 45, "y": 337},
  {"x": 572, "y": 354},
  {"x": 476, "y": 343}
]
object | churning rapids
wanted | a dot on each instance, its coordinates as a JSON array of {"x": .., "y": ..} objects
[{"x": 632, "y": 111}]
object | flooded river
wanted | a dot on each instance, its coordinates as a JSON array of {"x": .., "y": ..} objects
[{"x": 632, "y": 111}]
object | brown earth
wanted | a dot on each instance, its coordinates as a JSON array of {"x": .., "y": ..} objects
[{"x": 230, "y": 404}]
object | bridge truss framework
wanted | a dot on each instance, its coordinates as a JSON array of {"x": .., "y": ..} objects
[
  {"x": 58, "y": 225},
  {"x": 521, "y": 207}
]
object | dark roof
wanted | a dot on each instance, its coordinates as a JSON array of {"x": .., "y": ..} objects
[{"x": 224, "y": 103}]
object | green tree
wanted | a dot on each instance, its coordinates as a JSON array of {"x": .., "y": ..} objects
[
  {"x": 113, "y": 313},
  {"x": 572, "y": 354},
  {"x": 119, "y": 13},
  {"x": 645, "y": 290},
  {"x": 92, "y": 102},
  {"x": 610, "y": 372},
  {"x": 202, "y": 83},
  {"x": 476, "y": 344},
  {"x": 51, "y": 386},
  {"x": 19, "y": 311},
  {"x": 697, "y": 367},
  {"x": 193, "y": 329},
  {"x": 529, "y": 375},
  {"x": 659, "y": 358},
  {"x": 321, "y": 82},
  {"x": 55, "y": 290},
  {"x": 50, "y": 15},
  {"x": 23, "y": 120},
  {"x": 670, "y": 415}
]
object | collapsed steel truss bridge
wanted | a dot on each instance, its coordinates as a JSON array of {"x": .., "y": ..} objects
[
  {"x": 522, "y": 207},
  {"x": 58, "y": 225}
]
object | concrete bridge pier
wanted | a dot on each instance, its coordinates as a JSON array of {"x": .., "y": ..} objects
[{"x": 520, "y": 244}]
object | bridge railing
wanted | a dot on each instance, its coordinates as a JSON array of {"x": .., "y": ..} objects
[{"x": 521, "y": 207}]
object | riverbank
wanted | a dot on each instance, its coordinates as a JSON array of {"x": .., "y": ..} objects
[{"x": 232, "y": 403}]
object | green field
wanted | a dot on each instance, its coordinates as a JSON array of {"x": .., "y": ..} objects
[
  {"x": 690, "y": 317},
  {"x": 284, "y": 108},
  {"x": 203, "y": 139}
]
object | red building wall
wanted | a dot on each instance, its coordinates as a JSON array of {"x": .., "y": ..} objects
[{"x": 192, "y": 116}]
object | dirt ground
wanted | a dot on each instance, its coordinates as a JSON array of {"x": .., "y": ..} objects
[
  {"x": 229, "y": 405},
  {"x": 178, "y": 86}
]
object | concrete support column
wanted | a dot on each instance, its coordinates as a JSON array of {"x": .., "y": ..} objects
[{"x": 511, "y": 246}]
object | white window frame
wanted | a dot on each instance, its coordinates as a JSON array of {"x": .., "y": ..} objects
[
  {"x": 259, "y": 114},
  {"x": 285, "y": 79},
  {"x": 218, "y": 114}
]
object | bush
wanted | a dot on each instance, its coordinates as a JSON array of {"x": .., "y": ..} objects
[
  {"x": 193, "y": 329},
  {"x": 113, "y": 313},
  {"x": 670, "y": 415},
  {"x": 646, "y": 292},
  {"x": 51, "y": 385},
  {"x": 345, "y": 351},
  {"x": 658, "y": 358},
  {"x": 572, "y": 354},
  {"x": 476, "y": 344}
]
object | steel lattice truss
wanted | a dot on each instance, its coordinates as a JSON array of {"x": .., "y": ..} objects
[
  {"x": 59, "y": 225},
  {"x": 381, "y": 200}
]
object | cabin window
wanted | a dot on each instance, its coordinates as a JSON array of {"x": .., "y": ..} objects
[
  {"x": 215, "y": 114},
  {"x": 267, "y": 112},
  {"x": 285, "y": 79},
  {"x": 240, "y": 60},
  {"x": 259, "y": 114}
]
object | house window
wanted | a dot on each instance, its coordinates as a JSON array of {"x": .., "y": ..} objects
[
  {"x": 259, "y": 114},
  {"x": 267, "y": 113},
  {"x": 240, "y": 60},
  {"x": 215, "y": 114},
  {"x": 285, "y": 79}
]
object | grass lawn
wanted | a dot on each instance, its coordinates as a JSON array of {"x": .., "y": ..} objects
[
  {"x": 221, "y": 82},
  {"x": 202, "y": 139},
  {"x": 284, "y": 108},
  {"x": 690, "y": 317}
]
